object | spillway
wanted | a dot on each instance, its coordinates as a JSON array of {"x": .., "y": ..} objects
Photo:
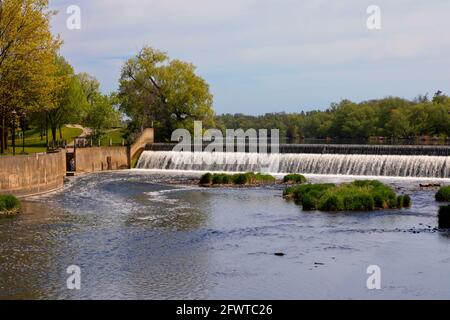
[{"x": 308, "y": 163}]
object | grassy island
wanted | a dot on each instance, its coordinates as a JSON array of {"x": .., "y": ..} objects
[
  {"x": 294, "y": 179},
  {"x": 443, "y": 194},
  {"x": 364, "y": 195},
  {"x": 9, "y": 205},
  {"x": 249, "y": 178}
]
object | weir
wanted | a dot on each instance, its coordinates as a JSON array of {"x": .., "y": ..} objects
[
  {"x": 423, "y": 166},
  {"x": 412, "y": 150}
]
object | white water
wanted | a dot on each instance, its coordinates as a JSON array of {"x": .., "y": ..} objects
[{"x": 364, "y": 165}]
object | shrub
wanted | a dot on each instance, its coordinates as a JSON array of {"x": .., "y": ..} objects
[
  {"x": 309, "y": 203},
  {"x": 444, "y": 217},
  {"x": 226, "y": 179},
  {"x": 363, "y": 195},
  {"x": 206, "y": 178},
  {"x": 331, "y": 202},
  {"x": 407, "y": 202},
  {"x": 217, "y": 179},
  {"x": 240, "y": 178},
  {"x": 266, "y": 178},
  {"x": 443, "y": 194},
  {"x": 8, "y": 203},
  {"x": 294, "y": 178},
  {"x": 404, "y": 201}
]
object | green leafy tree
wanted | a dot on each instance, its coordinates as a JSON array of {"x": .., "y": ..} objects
[
  {"x": 102, "y": 114},
  {"x": 165, "y": 93},
  {"x": 70, "y": 100}
]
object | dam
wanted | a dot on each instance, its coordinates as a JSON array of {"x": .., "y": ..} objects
[{"x": 365, "y": 160}]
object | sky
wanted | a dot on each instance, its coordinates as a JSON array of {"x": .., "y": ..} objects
[{"x": 264, "y": 56}]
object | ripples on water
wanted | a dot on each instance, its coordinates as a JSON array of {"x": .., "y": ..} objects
[{"x": 137, "y": 235}]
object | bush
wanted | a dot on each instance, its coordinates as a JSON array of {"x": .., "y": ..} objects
[
  {"x": 8, "y": 203},
  {"x": 206, "y": 178},
  {"x": 364, "y": 195},
  {"x": 226, "y": 179},
  {"x": 331, "y": 203},
  {"x": 294, "y": 178},
  {"x": 239, "y": 178},
  {"x": 444, "y": 217},
  {"x": 404, "y": 201},
  {"x": 443, "y": 194},
  {"x": 407, "y": 202},
  {"x": 217, "y": 179}
]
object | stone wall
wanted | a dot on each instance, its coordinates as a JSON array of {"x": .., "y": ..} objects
[
  {"x": 101, "y": 158},
  {"x": 111, "y": 158},
  {"x": 33, "y": 174},
  {"x": 148, "y": 136}
]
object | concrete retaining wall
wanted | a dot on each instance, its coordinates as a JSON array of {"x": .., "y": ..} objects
[
  {"x": 101, "y": 158},
  {"x": 148, "y": 136},
  {"x": 111, "y": 158},
  {"x": 33, "y": 174}
]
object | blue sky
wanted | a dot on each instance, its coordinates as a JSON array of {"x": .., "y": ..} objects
[{"x": 271, "y": 55}]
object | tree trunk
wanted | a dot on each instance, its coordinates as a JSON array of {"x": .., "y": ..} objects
[
  {"x": 60, "y": 133},
  {"x": 54, "y": 134},
  {"x": 2, "y": 146},
  {"x": 5, "y": 138}
]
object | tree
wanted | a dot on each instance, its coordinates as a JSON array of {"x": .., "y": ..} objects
[
  {"x": 70, "y": 100},
  {"x": 166, "y": 93},
  {"x": 102, "y": 114},
  {"x": 90, "y": 85},
  {"x": 27, "y": 47},
  {"x": 398, "y": 125}
]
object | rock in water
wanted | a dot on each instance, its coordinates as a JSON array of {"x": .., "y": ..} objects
[{"x": 444, "y": 217}]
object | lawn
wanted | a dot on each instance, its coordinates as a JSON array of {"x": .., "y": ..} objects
[
  {"x": 34, "y": 143},
  {"x": 115, "y": 134}
]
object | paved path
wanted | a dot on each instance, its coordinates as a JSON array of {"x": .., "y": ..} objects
[{"x": 86, "y": 132}]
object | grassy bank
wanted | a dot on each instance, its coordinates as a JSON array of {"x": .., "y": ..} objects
[
  {"x": 9, "y": 205},
  {"x": 249, "y": 178},
  {"x": 364, "y": 195},
  {"x": 34, "y": 143}
]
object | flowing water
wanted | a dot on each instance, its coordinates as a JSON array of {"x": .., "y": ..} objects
[
  {"x": 137, "y": 235},
  {"x": 370, "y": 165}
]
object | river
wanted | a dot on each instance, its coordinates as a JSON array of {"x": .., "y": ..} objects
[{"x": 138, "y": 235}]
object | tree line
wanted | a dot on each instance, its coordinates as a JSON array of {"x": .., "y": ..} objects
[{"x": 391, "y": 117}]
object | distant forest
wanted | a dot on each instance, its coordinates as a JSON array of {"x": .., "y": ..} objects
[{"x": 391, "y": 117}]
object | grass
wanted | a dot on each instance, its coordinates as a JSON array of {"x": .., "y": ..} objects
[
  {"x": 363, "y": 195},
  {"x": 248, "y": 178},
  {"x": 294, "y": 178},
  {"x": 116, "y": 135},
  {"x": 443, "y": 194},
  {"x": 34, "y": 144},
  {"x": 9, "y": 204}
]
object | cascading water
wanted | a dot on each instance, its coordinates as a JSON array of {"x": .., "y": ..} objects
[{"x": 370, "y": 165}]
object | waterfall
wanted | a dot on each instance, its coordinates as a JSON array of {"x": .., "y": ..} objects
[{"x": 345, "y": 164}]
